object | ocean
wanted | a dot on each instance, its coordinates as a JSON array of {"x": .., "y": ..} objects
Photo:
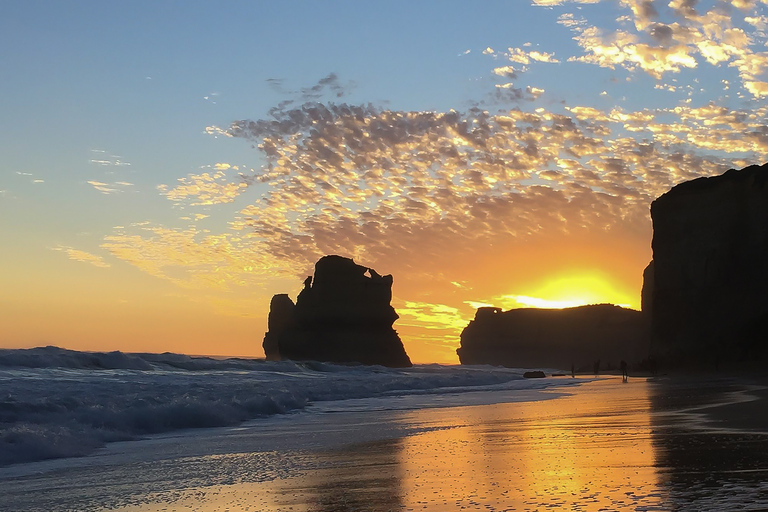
[
  {"x": 57, "y": 403},
  {"x": 167, "y": 432}
]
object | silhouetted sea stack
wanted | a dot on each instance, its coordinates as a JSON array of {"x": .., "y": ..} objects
[
  {"x": 709, "y": 301},
  {"x": 555, "y": 338},
  {"x": 343, "y": 315}
]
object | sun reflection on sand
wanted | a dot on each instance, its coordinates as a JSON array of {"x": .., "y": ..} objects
[
  {"x": 607, "y": 446},
  {"x": 583, "y": 452}
]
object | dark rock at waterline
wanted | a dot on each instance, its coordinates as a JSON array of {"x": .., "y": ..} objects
[
  {"x": 534, "y": 375},
  {"x": 555, "y": 338},
  {"x": 343, "y": 315},
  {"x": 709, "y": 299}
]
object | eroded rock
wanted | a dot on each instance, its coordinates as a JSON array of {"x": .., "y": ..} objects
[
  {"x": 555, "y": 338},
  {"x": 343, "y": 315}
]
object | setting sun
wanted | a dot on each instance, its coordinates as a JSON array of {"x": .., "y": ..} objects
[
  {"x": 586, "y": 288},
  {"x": 571, "y": 291}
]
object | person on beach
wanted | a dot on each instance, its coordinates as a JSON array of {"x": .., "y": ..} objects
[
  {"x": 624, "y": 373},
  {"x": 596, "y": 366}
]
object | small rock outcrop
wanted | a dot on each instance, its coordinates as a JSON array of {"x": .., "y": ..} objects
[
  {"x": 709, "y": 280},
  {"x": 343, "y": 315},
  {"x": 555, "y": 338}
]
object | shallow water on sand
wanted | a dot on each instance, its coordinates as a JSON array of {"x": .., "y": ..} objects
[{"x": 606, "y": 445}]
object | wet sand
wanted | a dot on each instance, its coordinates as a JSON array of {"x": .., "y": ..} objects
[{"x": 666, "y": 444}]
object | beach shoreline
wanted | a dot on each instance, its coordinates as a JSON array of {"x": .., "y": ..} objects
[{"x": 604, "y": 443}]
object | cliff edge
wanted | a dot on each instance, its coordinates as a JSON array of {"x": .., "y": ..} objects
[{"x": 709, "y": 299}]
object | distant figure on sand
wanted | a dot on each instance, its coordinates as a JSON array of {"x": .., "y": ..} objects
[
  {"x": 624, "y": 374},
  {"x": 573, "y": 371},
  {"x": 597, "y": 367}
]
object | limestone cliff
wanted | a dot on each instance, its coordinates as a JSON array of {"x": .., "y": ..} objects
[
  {"x": 342, "y": 315},
  {"x": 710, "y": 269},
  {"x": 555, "y": 338}
]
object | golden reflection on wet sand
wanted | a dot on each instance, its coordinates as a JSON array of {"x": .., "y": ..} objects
[
  {"x": 587, "y": 451},
  {"x": 607, "y": 445}
]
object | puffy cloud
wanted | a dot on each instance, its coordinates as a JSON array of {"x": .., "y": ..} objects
[
  {"x": 623, "y": 49},
  {"x": 692, "y": 34},
  {"x": 521, "y": 56}
]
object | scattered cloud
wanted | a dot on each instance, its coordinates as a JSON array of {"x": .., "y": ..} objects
[
  {"x": 208, "y": 188},
  {"x": 102, "y": 158},
  {"x": 663, "y": 41},
  {"x": 432, "y": 316},
  {"x": 83, "y": 256},
  {"x": 109, "y": 188},
  {"x": 388, "y": 185}
]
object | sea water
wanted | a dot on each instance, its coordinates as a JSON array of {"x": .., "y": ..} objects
[{"x": 57, "y": 403}]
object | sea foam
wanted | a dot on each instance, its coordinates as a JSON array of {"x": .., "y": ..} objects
[{"x": 62, "y": 403}]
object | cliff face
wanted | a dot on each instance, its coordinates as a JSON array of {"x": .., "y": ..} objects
[
  {"x": 343, "y": 315},
  {"x": 710, "y": 269},
  {"x": 555, "y": 338}
]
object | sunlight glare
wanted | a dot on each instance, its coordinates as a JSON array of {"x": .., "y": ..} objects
[{"x": 571, "y": 291}]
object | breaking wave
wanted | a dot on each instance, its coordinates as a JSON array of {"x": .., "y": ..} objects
[{"x": 63, "y": 403}]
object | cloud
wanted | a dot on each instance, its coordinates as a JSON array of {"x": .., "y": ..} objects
[
  {"x": 207, "y": 188},
  {"x": 432, "y": 316},
  {"x": 685, "y": 37},
  {"x": 550, "y": 3},
  {"x": 420, "y": 190},
  {"x": 193, "y": 258},
  {"x": 103, "y": 158},
  {"x": 521, "y": 56},
  {"x": 109, "y": 188},
  {"x": 83, "y": 256},
  {"x": 409, "y": 186},
  {"x": 329, "y": 84}
]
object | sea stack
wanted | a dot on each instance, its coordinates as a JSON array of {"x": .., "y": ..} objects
[
  {"x": 709, "y": 289},
  {"x": 343, "y": 315},
  {"x": 555, "y": 338}
]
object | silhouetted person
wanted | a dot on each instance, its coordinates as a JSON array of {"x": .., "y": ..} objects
[
  {"x": 573, "y": 371},
  {"x": 597, "y": 367},
  {"x": 624, "y": 373}
]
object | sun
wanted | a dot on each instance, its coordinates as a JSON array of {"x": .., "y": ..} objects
[{"x": 571, "y": 290}]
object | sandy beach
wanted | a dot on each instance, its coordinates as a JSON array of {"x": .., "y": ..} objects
[{"x": 663, "y": 444}]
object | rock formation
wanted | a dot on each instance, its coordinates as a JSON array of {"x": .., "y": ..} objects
[
  {"x": 343, "y": 315},
  {"x": 555, "y": 338},
  {"x": 709, "y": 299}
]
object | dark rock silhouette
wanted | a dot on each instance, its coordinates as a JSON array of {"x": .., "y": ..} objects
[
  {"x": 709, "y": 278},
  {"x": 538, "y": 374},
  {"x": 555, "y": 338},
  {"x": 343, "y": 315},
  {"x": 281, "y": 317}
]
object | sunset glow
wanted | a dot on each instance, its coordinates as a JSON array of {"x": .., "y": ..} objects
[{"x": 162, "y": 180}]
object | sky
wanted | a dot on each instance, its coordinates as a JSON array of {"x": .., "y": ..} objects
[{"x": 167, "y": 166}]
